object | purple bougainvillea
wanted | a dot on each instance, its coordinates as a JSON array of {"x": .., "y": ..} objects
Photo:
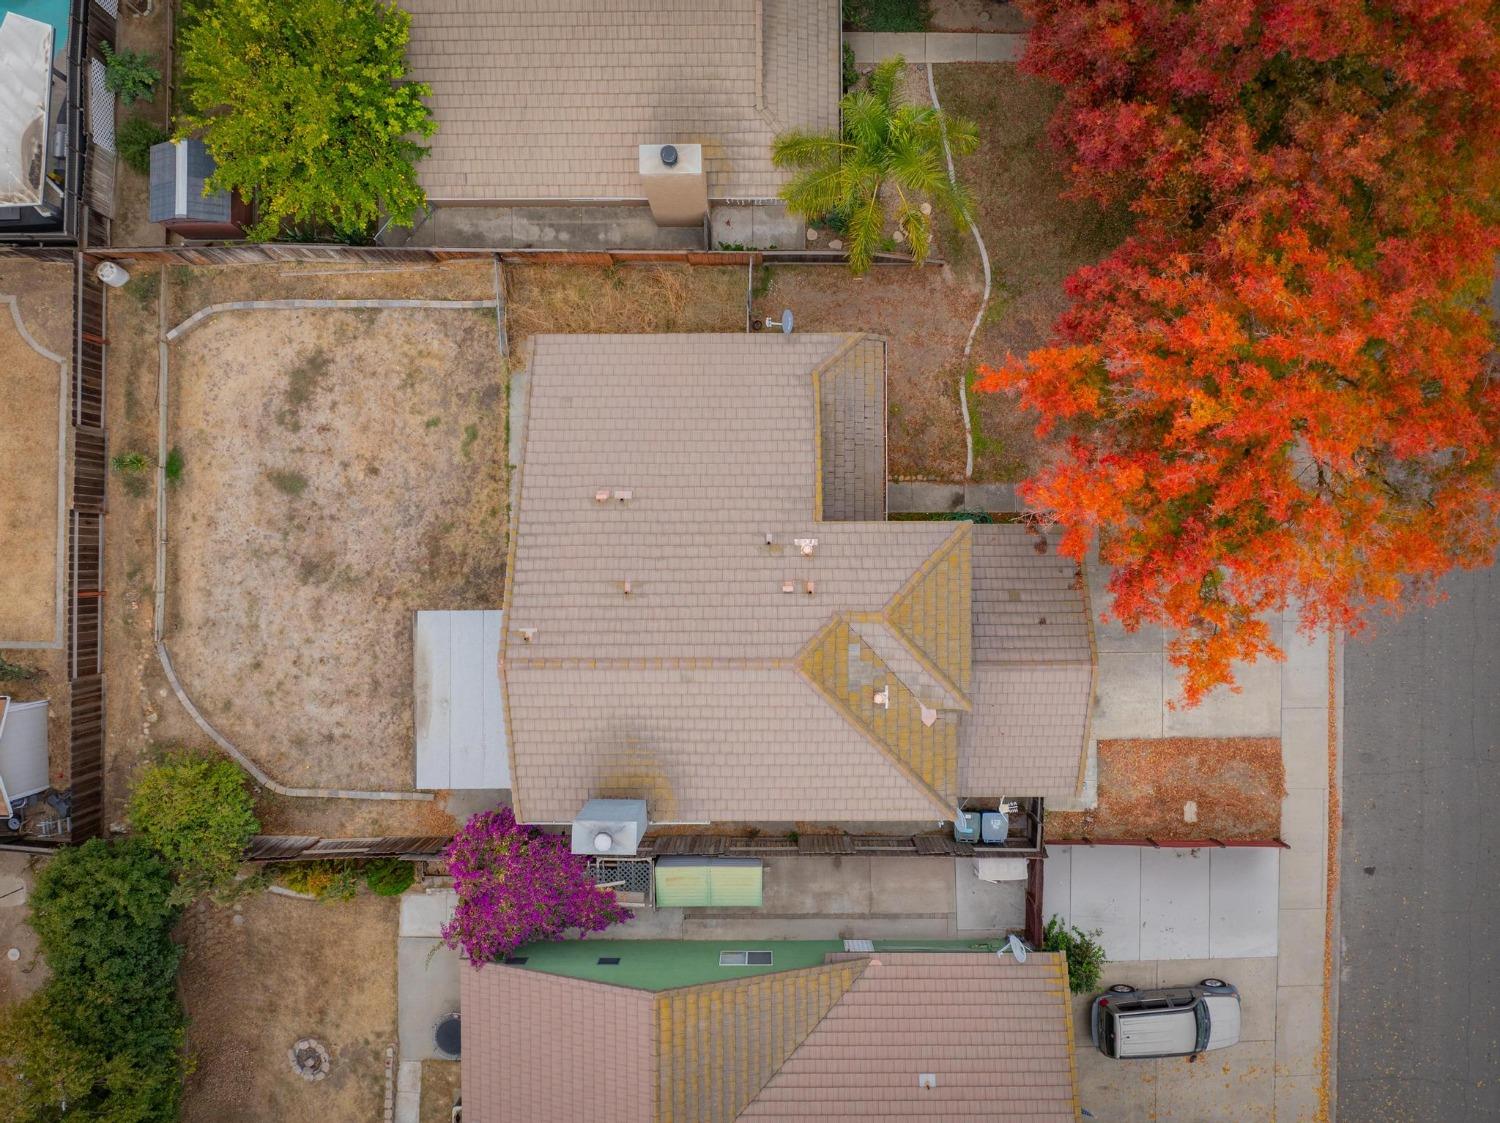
[{"x": 516, "y": 884}]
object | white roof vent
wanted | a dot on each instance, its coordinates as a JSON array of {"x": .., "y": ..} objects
[
  {"x": 624, "y": 494},
  {"x": 883, "y": 698},
  {"x": 929, "y": 716},
  {"x": 808, "y": 546},
  {"x": 926, "y": 1080},
  {"x": 602, "y": 495}
]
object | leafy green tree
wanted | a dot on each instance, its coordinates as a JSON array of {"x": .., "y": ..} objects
[
  {"x": 304, "y": 106},
  {"x": 103, "y": 1040},
  {"x": 1084, "y": 953},
  {"x": 198, "y": 815},
  {"x": 130, "y": 74},
  {"x": 885, "y": 148}
]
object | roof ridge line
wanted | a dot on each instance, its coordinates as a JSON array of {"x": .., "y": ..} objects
[{"x": 906, "y": 770}]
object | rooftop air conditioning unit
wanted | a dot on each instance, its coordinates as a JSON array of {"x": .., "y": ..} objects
[{"x": 612, "y": 827}]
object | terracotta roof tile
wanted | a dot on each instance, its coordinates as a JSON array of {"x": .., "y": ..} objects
[{"x": 538, "y": 102}]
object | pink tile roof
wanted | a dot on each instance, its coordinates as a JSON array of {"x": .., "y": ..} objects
[{"x": 820, "y": 1043}]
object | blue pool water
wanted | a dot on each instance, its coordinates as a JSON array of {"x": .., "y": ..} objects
[{"x": 55, "y": 12}]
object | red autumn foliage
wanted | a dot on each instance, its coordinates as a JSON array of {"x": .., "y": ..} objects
[{"x": 1278, "y": 387}]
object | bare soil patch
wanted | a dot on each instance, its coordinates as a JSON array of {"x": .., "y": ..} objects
[
  {"x": 1237, "y": 784},
  {"x": 343, "y": 470},
  {"x": 256, "y": 980},
  {"x": 976, "y": 15},
  {"x": 31, "y": 403}
]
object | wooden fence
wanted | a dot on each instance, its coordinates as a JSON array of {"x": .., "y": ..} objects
[{"x": 86, "y": 522}]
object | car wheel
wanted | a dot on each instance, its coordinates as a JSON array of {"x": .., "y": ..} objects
[
  {"x": 1213, "y": 983},
  {"x": 1121, "y": 988}
]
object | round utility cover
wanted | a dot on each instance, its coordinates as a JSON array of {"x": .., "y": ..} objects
[{"x": 447, "y": 1036}]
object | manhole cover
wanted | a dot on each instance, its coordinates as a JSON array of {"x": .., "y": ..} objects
[
  {"x": 447, "y": 1036},
  {"x": 309, "y": 1059}
]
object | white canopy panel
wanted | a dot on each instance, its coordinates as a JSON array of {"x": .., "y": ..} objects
[
  {"x": 23, "y": 750},
  {"x": 460, "y": 715},
  {"x": 25, "y": 97}
]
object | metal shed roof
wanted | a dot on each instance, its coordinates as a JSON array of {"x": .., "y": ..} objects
[
  {"x": 178, "y": 172},
  {"x": 460, "y": 717},
  {"x": 23, "y": 750}
]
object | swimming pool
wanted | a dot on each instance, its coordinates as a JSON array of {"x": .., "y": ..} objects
[{"x": 55, "y": 12}]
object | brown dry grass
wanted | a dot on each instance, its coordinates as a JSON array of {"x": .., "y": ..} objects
[
  {"x": 1036, "y": 238},
  {"x": 1237, "y": 782},
  {"x": 292, "y": 969},
  {"x": 30, "y": 402},
  {"x": 439, "y": 1089},
  {"x": 624, "y": 298}
]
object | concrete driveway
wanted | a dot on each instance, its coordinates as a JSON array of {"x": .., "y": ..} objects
[
  {"x": 1237, "y": 1083},
  {"x": 1169, "y": 903}
]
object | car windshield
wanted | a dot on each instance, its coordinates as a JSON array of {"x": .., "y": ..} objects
[
  {"x": 1109, "y": 1033},
  {"x": 1201, "y": 1013}
]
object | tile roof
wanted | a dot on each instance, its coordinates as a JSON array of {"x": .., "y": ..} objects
[
  {"x": 844, "y": 1041},
  {"x": 996, "y": 1034},
  {"x": 550, "y": 101},
  {"x": 651, "y": 648}
]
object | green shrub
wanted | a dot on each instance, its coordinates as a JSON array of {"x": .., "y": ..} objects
[
  {"x": 129, "y": 74},
  {"x": 332, "y": 880},
  {"x": 135, "y": 140},
  {"x": 198, "y": 815},
  {"x": 1084, "y": 953},
  {"x": 389, "y": 877},
  {"x": 173, "y": 466},
  {"x": 851, "y": 71},
  {"x": 288, "y": 483},
  {"x": 15, "y": 672},
  {"x": 305, "y": 107},
  {"x": 886, "y": 15},
  {"x": 103, "y": 1039},
  {"x": 131, "y": 463}
]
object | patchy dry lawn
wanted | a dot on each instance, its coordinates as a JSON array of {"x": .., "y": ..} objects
[
  {"x": 1036, "y": 239},
  {"x": 280, "y": 969},
  {"x": 1237, "y": 784},
  {"x": 343, "y": 470}
]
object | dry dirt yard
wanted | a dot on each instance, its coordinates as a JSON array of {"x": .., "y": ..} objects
[
  {"x": 257, "y": 980},
  {"x": 34, "y": 402},
  {"x": 343, "y": 470}
]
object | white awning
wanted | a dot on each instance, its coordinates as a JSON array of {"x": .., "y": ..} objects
[
  {"x": 459, "y": 712},
  {"x": 25, "y": 98},
  {"x": 23, "y": 750}
]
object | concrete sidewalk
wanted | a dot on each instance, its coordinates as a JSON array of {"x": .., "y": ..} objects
[
  {"x": 871, "y": 47},
  {"x": 1290, "y": 701}
]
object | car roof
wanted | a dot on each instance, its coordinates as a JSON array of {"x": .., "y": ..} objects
[{"x": 1149, "y": 1033}]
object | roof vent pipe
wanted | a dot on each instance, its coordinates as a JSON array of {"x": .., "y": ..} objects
[{"x": 669, "y": 155}]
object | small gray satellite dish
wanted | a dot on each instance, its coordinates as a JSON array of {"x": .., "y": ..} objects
[{"x": 785, "y": 323}]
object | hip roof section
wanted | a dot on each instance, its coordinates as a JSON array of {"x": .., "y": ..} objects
[{"x": 550, "y": 101}]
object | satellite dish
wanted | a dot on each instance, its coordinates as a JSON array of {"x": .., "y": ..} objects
[
  {"x": 785, "y": 323},
  {"x": 1016, "y": 947}
]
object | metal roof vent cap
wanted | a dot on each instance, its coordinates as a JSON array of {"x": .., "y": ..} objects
[
  {"x": 669, "y": 155},
  {"x": 604, "y": 842}
]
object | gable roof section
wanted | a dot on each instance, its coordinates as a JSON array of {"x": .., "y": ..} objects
[
  {"x": 842, "y": 1041},
  {"x": 717, "y": 1044},
  {"x": 997, "y": 1035},
  {"x": 539, "y": 102}
]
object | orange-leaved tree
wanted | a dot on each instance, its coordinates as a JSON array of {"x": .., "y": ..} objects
[{"x": 1279, "y": 386}]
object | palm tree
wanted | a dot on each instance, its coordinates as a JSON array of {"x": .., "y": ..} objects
[{"x": 883, "y": 141}]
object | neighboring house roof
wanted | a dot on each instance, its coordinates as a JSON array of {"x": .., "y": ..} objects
[
  {"x": 843, "y": 1041},
  {"x": 550, "y": 101},
  {"x": 709, "y": 689}
]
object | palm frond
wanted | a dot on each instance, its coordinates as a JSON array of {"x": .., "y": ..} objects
[
  {"x": 805, "y": 150},
  {"x": 865, "y": 120},
  {"x": 817, "y": 191},
  {"x": 884, "y": 82},
  {"x": 918, "y": 230}
]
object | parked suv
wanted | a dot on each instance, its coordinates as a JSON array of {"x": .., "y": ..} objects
[{"x": 1165, "y": 1022}]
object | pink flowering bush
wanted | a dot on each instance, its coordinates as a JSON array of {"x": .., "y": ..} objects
[{"x": 516, "y": 884}]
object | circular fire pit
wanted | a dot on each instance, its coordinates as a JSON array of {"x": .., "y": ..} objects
[{"x": 309, "y": 1059}]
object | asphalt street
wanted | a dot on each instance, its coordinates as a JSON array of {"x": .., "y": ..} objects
[{"x": 1419, "y": 985}]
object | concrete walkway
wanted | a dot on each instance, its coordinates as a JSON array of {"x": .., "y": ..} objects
[
  {"x": 871, "y": 47},
  {"x": 1288, "y": 700}
]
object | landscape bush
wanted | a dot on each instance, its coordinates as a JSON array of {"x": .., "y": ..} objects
[
  {"x": 199, "y": 815},
  {"x": 134, "y": 141},
  {"x": 104, "y": 1037},
  {"x": 305, "y": 108},
  {"x": 389, "y": 877},
  {"x": 335, "y": 879},
  {"x": 129, "y": 74},
  {"x": 1084, "y": 953}
]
